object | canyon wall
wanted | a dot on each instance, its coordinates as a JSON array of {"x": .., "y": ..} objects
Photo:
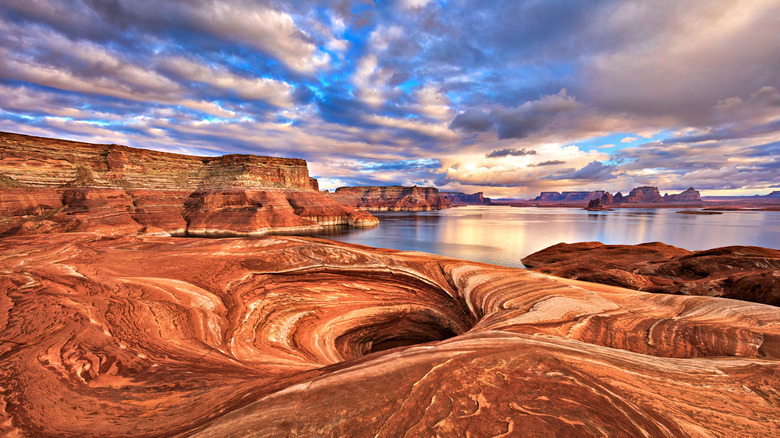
[
  {"x": 460, "y": 198},
  {"x": 52, "y": 186},
  {"x": 392, "y": 198},
  {"x": 294, "y": 336},
  {"x": 600, "y": 199},
  {"x": 569, "y": 196},
  {"x": 27, "y": 161}
]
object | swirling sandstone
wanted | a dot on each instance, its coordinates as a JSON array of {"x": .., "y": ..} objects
[
  {"x": 740, "y": 272},
  {"x": 293, "y": 336}
]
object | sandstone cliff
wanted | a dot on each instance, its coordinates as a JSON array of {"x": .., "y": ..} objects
[
  {"x": 28, "y": 161},
  {"x": 293, "y": 336},
  {"x": 690, "y": 195},
  {"x": 738, "y": 272},
  {"x": 459, "y": 198},
  {"x": 60, "y": 186},
  {"x": 638, "y": 195},
  {"x": 569, "y": 196},
  {"x": 392, "y": 198}
]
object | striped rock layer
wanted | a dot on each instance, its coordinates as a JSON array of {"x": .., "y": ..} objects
[{"x": 295, "y": 336}]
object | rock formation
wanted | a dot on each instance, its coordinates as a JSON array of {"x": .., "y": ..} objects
[
  {"x": 459, "y": 198},
  {"x": 690, "y": 195},
  {"x": 392, "y": 198},
  {"x": 597, "y": 205},
  {"x": 295, "y": 336},
  {"x": 739, "y": 272},
  {"x": 62, "y": 186},
  {"x": 644, "y": 195},
  {"x": 639, "y": 195},
  {"x": 569, "y": 196}
]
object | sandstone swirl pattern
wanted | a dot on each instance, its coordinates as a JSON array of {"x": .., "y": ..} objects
[{"x": 287, "y": 336}]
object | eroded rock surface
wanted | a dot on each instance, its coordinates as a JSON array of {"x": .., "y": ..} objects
[
  {"x": 740, "y": 272},
  {"x": 392, "y": 198},
  {"x": 51, "y": 186},
  {"x": 293, "y": 336}
]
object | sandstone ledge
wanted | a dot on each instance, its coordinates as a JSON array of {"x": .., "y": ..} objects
[
  {"x": 392, "y": 198},
  {"x": 142, "y": 336},
  {"x": 209, "y": 213},
  {"x": 740, "y": 272}
]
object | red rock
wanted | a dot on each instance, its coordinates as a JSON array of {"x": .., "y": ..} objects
[
  {"x": 597, "y": 205},
  {"x": 740, "y": 272},
  {"x": 689, "y": 195},
  {"x": 392, "y": 198},
  {"x": 45, "y": 162},
  {"x": 159, "y": 336},
  {"x": 458, "y": 198},
  {"x": 117, "y": 190},
  {"x": 569, "y": 196}
]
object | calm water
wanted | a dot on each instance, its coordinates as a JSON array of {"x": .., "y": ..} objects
[{"x": 504, "y": 235}]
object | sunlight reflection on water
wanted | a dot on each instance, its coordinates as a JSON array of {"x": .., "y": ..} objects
[{"x": 504, "y": 235}]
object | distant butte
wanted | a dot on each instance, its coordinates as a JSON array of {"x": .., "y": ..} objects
[
  {"x": 62, "y": 186},
  {"x": 289, "y": 336}
]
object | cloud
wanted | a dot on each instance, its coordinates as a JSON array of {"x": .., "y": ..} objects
[
  {"x": 593, "y": 171},
  {"x": 510, "y": 152},
  {"x": 654, "y": 92},
  {"x": 549, "y": 163}
]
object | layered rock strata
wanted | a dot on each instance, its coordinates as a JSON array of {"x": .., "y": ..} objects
[
  {"x": 569, "y": 196},
  {"x": 27, "y": 161},
  {"x": 59, "y": 186},
  {"x": 639, "y": 195},
  {"x": 293, "y": 336},
  {"x": 740, "y": 272},
  {"x": 392, "y": 198},
  {"x": 460, "y": 198}
]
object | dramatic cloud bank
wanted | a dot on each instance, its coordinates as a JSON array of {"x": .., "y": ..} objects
[{"x": 507, "y": 97}]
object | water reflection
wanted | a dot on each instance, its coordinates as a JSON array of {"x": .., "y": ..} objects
[{"x": 504, "y": 235}]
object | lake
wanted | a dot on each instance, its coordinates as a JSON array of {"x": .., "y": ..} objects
[{"x": 504, "y": 235}]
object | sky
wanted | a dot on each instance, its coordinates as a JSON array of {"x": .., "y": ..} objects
[{"x": 509, "y": 98}]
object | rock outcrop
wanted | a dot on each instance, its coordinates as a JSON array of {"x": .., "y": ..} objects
[
  {"x": 739, "y": 272},
  {"x": 294, "y": 336},
  {"x": 29, "y": 161},
  {"x": 460, "y": 198},
  {"x": 639, "y": 195},
  {"x": 569, "y": 196},
  {"x": 61, "y": 186},
  {"x": 392, "y": 198},
  {"x": 597, "y": 205},
  {"x": 690, "y": 195},
  {"x": 644, "y": 195}
]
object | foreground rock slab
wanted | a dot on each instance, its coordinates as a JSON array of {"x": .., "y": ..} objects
[
  {"x": 295, "y": 336},
  {"x": 740, "y": 272}
]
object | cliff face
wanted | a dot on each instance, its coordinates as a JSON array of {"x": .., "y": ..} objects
[
  {"x": 289, "y": 336},
  {"x": 27, "y": 161},
  {"x": 649, "y": 195},
  {"x": 59, "y": 186},
  {"x": 689, "y": 195},
  {"x": 392, "y": 198},
  {"x": 639, "y": 195},
  {"x": 569, "y": 196},
  {"x": 459, "y": 198}
]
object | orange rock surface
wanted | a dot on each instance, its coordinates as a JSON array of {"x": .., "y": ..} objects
[
  {"x": 392, "y": 198},
  {"x": 740, "y": 272},
  {"x": 294, "y": 336},
  {"x": 51, "y": 186}
]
